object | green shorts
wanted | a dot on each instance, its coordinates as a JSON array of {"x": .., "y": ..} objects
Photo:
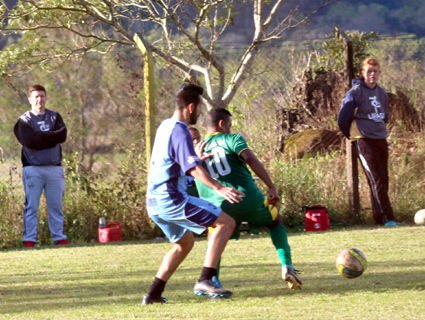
[
  {"x": 252, "y": 210},
  {"x": 192, "y": 191}
]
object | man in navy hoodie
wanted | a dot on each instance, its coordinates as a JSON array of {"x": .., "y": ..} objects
[
  {"x": 363, "y": 119},
  {"x": 40, "y": 131}
]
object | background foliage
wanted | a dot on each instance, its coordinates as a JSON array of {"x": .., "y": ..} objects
[{"x": 101, "y": 101}]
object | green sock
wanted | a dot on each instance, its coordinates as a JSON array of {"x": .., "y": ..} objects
[{"x": 280, "y": 241}]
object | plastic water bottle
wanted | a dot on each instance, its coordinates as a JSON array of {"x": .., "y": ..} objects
[{"x": 102, "y": 222}]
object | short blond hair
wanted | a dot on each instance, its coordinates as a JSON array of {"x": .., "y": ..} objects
[{"x": 370, "y": 62}]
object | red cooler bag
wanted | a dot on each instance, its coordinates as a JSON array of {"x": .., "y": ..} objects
[
  {"x": 111, "y": 233},
  {"x": 316, "y": 218}
]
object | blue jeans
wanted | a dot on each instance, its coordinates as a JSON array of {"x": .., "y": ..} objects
[{"x": 51, "y": 179}]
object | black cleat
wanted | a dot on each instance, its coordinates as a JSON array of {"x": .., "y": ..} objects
[
  {"x": 212, "y": 288},
  {"x": 291, "y": 278},
  {"x": 148, "y": 300}
]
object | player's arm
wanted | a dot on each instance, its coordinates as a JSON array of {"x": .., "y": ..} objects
[
  {"x": 199, "y": 150},
  {"x": 230, "y": 194},
  {"x": 249, "y": 157}
]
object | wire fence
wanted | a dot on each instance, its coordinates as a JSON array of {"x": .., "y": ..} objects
[{"x": 101, "y": 101}]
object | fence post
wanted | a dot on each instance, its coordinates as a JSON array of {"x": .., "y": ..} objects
[
  {"x": 149, "y": 87},
  {"x": 351, "y": 164}
]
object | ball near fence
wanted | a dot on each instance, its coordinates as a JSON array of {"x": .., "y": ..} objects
[
  {"x": 351, "y": 263},
  {"x": 420, "y": 217}
]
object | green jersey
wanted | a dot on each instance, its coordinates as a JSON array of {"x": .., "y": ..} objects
[{"x": 228, "y": 168}]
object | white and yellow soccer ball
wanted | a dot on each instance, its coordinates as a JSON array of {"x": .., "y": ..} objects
[
  {"x": 351, "y": 263},
  {"x": 420, "y": 217}
]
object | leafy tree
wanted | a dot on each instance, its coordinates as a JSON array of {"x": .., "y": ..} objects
[
  {"x": 92, "y": 95},
  {"x": 168, "y": 28},
  {"x": 333, "y": 57}
]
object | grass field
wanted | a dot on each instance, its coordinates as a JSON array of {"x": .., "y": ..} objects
[{"x": 107, "y": 281}]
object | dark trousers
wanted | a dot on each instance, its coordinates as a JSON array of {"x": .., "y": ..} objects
[{"x": 373, "y": 155}]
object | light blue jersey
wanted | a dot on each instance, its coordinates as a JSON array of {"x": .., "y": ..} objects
[{"x": 172, "y": 157}]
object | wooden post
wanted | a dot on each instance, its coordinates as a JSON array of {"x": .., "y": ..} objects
[
  {"x": 149, "y": 87},
  {"x": 351, "y": 164}
]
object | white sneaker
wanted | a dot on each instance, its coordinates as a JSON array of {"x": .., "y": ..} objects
[{"x": 291, "y": 278}]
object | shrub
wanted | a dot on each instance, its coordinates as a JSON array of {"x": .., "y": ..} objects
[
  {"x": 87, "y": 197},
  {"x": 11, "y": 216},
  {"x": 121, "y": 200}
]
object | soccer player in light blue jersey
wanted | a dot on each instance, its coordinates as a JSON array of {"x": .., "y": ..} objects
[{"x": 173, "y": 210}]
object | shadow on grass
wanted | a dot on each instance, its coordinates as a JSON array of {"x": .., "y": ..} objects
[
  {"x": 379, "y": 277},
  {"x": 72, "y": 289},
  {"x": 84, "y": 245}
]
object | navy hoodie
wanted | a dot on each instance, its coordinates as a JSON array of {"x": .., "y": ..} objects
[
  {"x": 41, "y": 136},
  {"x": 368, "y": 108}
]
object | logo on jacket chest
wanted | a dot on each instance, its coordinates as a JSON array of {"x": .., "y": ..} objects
[
  {"x": 378, "y": 115},
  {"x": 43, "y": 126}
]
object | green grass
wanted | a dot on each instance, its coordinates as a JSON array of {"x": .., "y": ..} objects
[{"x": 107, "y": 281}]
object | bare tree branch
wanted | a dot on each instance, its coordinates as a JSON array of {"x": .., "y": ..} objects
[{"x": 196, "y": 25}]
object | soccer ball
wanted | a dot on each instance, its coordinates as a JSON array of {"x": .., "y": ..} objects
[
  {"x": 351, "y": 263},
  {"x": 420, "y": 217}
]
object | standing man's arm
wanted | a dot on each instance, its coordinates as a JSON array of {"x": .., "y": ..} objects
[
  {"x": 249, "y": 157},
  {"x": 346, "y": 113},
  {"x": 29, "y": 138},
  {"x": 387, "y": 108},
  {"x": 58, "y": 134},
  {"x": 35, "y": 140}
]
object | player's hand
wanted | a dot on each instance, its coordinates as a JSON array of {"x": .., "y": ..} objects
[
  {"x": 273, "y": 197},
  {"x": 230, "y": 194},
  {"x": 199, "y": 150}
]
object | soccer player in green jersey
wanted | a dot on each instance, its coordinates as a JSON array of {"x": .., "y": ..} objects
[{"x": 229, "y": 166}]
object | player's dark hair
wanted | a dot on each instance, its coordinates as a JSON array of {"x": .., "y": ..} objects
[
  {"x": 193, "y": 129},
  {"x": 188, "y": 93},
  {"x": 36, "y": 87},
  {"x": 215, "y": 115}
]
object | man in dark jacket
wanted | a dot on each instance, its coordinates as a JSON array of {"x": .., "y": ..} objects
[
  {"x": 363, "y": 119},
  {"x": 41, "y": 131}
]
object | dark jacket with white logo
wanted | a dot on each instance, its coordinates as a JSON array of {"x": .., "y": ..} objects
[
  {"x": 41, "y": 136},
  {"x": 369, "y": 109}
]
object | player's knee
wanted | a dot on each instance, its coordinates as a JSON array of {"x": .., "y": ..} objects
[
  {"x": 277, "y": 222},
  {"x": 188, "y": 247},
  {"x": 186, "y": 243},
  {"x": 230, "y": 222},
  {"x": 225, "y": 221}
]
